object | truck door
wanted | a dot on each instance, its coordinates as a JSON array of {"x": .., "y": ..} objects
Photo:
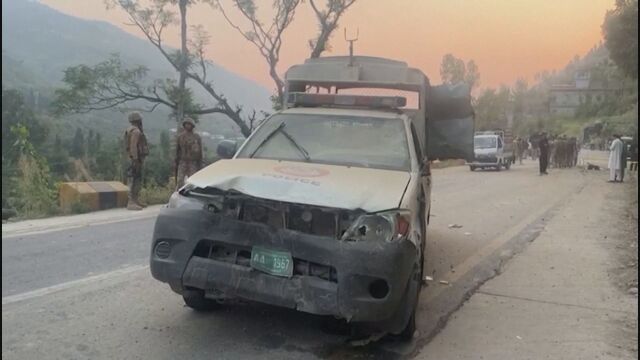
[{"x": 450, "y": 122}]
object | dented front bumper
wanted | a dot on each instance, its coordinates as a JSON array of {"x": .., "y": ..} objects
[{"x": 358, "y": 281}]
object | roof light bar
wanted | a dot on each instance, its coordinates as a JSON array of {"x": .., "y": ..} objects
[{"x": 304, "y": 99}]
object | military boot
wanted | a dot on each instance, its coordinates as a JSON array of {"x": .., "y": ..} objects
[{"x": 131, "y": 205}]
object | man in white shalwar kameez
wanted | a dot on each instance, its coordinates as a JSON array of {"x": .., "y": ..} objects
[{"x": 615, "y": 159}]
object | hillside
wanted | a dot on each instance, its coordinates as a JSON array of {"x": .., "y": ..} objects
[{"x": 39, "y": 43}]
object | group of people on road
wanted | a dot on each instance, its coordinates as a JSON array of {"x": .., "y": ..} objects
[
  {"x": 520, "y": 146},
  {"x": 187, "y": 156},
  {"x": 564, "y": 152}
]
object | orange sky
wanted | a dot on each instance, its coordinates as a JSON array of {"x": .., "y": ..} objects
[{"x": 507, "y": 38}]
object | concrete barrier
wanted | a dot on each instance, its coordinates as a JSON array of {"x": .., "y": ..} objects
[{"x": 94, "y": 196}]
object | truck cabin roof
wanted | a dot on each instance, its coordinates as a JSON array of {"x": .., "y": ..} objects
[{"x": 344, "y": 72}]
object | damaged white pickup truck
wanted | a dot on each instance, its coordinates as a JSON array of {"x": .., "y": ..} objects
[{"x": 324, "y": 207}]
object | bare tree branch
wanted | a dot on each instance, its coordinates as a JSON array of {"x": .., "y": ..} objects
[
  {"x": 267, "y": 41},
  {"x": 327, "y": 23}
]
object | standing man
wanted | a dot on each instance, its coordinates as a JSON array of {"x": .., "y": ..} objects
[
  {"x": 137, "y": 149},
  {"x": 551, "y": 143},
  {"x": 543, "y": 146},
  {"x": 615, "y": 159},
  {"x": 188, "y": 152},
  {"x": 519, "y": 148},
  {"x": 531, "y": 149},
  {"x": 623, "y": 160},
  {"x": 573, "y": 148}
]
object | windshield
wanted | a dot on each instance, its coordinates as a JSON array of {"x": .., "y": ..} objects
[
  {"x": 484, "y": 142},
  {"x": 332, "y": 139}
]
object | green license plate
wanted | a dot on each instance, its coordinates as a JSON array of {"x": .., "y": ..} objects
[{"x": 278, "y": 263}]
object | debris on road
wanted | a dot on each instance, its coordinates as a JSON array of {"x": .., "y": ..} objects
[
  {"x": 444, "y": 282},
  {"x": 454, "y": 226},
  {"x": 518, "y": 337},
  {"x": 633, "y": 291},
  {"x": 428, "y": 278},
  {"x": 467, "y": 233}
]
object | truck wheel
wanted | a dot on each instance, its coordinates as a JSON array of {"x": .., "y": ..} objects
[
  {"x": 507, "y": 166},
  {"x": 416, "y": 280},
  {"x": 194, "y": 298},
  {"x": 472, "y": 168}
]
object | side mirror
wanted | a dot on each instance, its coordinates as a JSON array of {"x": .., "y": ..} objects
[{"x": 226, "y": 149}]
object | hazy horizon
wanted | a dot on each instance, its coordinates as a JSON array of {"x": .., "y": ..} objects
[{"x": 506, "y": 39}]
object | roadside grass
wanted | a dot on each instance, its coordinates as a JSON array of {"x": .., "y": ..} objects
[
  {"x": 151, "y": 194},
  {"x": 154, "y": 194}
]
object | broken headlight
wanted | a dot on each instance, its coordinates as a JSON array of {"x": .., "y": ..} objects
[
  {"x": 388, "y": 226},
  {"x": 192, "y": 198},
  {"x": 179, "y": 201}
]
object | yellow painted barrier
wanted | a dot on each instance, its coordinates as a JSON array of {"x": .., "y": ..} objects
[{"x": 94, "y": 195}]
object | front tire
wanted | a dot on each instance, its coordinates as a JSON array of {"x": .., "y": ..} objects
[
  {"x": 410, "y": 328},
  {"x": 472, "y": 168},
  {"x": 194, "y": 298}
]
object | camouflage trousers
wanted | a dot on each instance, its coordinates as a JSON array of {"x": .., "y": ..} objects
[
  {"x": 134, "y": 179},
  {"x": 186, "y": 169}
]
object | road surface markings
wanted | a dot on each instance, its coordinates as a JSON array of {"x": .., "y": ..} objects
[
  {"x": 52, "y": 228},
  {"x": 71, "y": 284}
]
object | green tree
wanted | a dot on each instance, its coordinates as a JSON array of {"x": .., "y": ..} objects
[
  {"x": 34, "y": 193},
  {"x": 14, "y": 112},
  {"x": 157, "y": 168},
  {"x": 491, "y": 108},
  {"x": 453, "y": 70},
  {"x": 108, "y": 162},
  {"x": 165, "y": 145},
  {"x": 58, "y": 158},
  {"x": 78, "y": 144},
  {"x": 98, "y": 141},
  {"x": 111, "y": 84},
  {"x": 472, "y": 77},
  {"x": 620, "y": 30},
  {"x": 520, "y": 95}
]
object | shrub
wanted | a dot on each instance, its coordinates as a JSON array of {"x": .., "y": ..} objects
[
  {"x": 35, "y": 194},
  {"x": 154, "y": 194}
]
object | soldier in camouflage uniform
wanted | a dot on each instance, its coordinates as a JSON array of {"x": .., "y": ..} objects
[
  {"x": 573, "y": 146},
  {"x": 559, "y": 152},
  {"x": 137, "y": 149},
  {"x": 188, "y": 152}
]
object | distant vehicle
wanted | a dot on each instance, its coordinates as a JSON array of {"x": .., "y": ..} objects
[
  {"x": 628, "y": 142},
  {"x": 493, "y": 149},
  {"x": 324, "y": 207}
]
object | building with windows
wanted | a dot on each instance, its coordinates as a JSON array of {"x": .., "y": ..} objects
[{"x": 565, "y": 99}]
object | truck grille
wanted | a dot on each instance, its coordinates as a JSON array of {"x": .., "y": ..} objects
[
  {"x": 239, "y": 255},
  {"x": 305, "y": 219}
]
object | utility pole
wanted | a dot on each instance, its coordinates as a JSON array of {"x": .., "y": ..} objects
[{"x": 351, "y": 41}]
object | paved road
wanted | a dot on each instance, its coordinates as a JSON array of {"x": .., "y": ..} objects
[{"x": 87, "y": 293}]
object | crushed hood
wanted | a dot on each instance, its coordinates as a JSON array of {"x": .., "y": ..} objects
[{"x": 312, "y": 184}]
